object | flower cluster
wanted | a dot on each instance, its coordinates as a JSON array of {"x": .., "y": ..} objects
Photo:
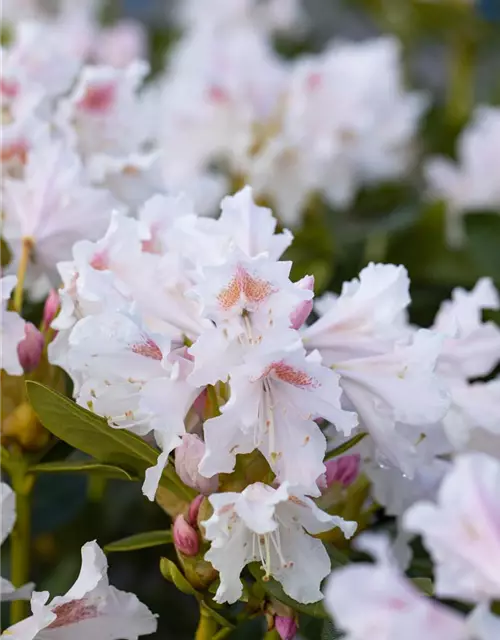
[{"x": 157, "y": 207}]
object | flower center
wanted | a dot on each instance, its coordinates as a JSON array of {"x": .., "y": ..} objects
[{"x": 269, "y": 545}]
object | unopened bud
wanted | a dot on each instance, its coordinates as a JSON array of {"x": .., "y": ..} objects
[
  {"x": 286, "y": 627},
  {"x": 30, "y": 349},
  {"x": 343, "y": 470},
  {"x": 187, "y": 458},
  {"x": 301, "y": 312},
  {"x": 194, "y": 509},
  {"x": 51, "y": 308},
  {"x": 185, "y": 537}
]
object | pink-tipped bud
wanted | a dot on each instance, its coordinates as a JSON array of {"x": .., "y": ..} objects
[
  {"x": 185, "y": 537},
  {"x": 187, "y": 458},
  {"x": 30, "y": 349},
  {"x": 51, "y": 307},
  {"x": 194, "y": 508},
  {"x": 286, "y": 627},
  {"x": 301, "y": 312},
  {"x": 343, "y": 470}
]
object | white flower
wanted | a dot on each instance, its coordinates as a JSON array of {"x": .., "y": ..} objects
[
  {"x": 347, "y": 121},
  {"x": 104, "y": 112},
  {"x": 395, "y": 389},
  {"x": 472, "y": 347},
  {"x": 270, "y": 526},
  {"x": 219, "y": 93},
  {"x": 122, "y": 43},
  {"x": 274, "y": 400},
  {"x": 53, "y": 206},
  {"x": 134, "y": 380},
  {"x": 11, "y": 330},
  {"x": 376, "y": 602},
  {"x": 90, "y": 609},
  {"x": 473, "y": 421},
  {"x": 365, "y": 319},
  {"x": 8, "y": 508},
  {"x": 245, "y": 298},
  {"x": 252, "y": 228},
  {"x": 461, "y": 531},
  {"x": 474, "y": 182}
]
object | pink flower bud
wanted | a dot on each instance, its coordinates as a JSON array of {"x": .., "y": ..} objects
[
  {"x": 286, "y": 627},
  {"x": 30, "y": 349},
  {"x": 185, "y": 537},
  {"x": 343, "y": 470},
  {"x": 187, "y": 458},
  {"x": 51, "y": 307},
  {"x": 194, "y": 507},
  {"x": 301, "y": 312}
]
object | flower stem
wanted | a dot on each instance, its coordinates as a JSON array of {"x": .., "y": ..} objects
[
  {"x": 207, "y": 626},
  {"x": 20, "y": 540},
  {"x": 26, "y": 247}
]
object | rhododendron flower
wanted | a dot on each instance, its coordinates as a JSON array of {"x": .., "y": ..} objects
[
  {"x": 472, "y": 347},
  {"x": 472, "y": 184},
  {"x": 376, "y": 602},
  {"x": 92, "y": 608},
  {"x": 134, "y": 380},
  {"x": 365, "y": 318},
  {"x": 12, "y": 330},
  {"x": 246, "y": 298},
  {"x": 461, "y": 530},
  {"x": 275, "y": 398},
  {"x": 53, "y": 206},
  {"x": 8, "y": 509},
  {"x": 104, "y": 112},
  {"x": 395, "y": 389},
  {"x": 270, "y": 526}
]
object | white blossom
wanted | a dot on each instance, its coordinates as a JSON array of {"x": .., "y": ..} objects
[
  {"x": 270, "y": 526},
  {"x": 91, "y": 608},
  {"x": 461, "y": 529}
]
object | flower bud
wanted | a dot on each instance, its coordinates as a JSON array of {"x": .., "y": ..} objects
[
  {"x": 185, "y": 537},
  {"x": 194, "y": 509},
  {"x": 30, "y": 349},
  {"x": 187, "y": 458},
  {"x": 51, "y": 308},
  {"x": 301, "y": 312},
  {"x": 343, "y": 470},
  {"x": 286, "y": 627}
]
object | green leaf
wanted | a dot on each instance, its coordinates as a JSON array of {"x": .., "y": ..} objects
[
  {"x": 345, "y": 446},
  {"x": 140, "y": 541},
  {"x": 171, "y": 572},
  {"x": 83, "y": 466},
  {"x": 274, "y": 589},
  {"x": 91, "y": 434}
]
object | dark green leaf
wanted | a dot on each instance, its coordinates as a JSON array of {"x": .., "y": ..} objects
[
  {"x": 345, "y": 446},
  {"x": 274, "y": 589},
  {"x": 91, "y": 434},
  {"x": 87, "y": 466},
  {"x": 140, "y": 541}
]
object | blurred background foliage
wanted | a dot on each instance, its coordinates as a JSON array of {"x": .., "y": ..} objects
[{"x": 450, "y": 51}]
